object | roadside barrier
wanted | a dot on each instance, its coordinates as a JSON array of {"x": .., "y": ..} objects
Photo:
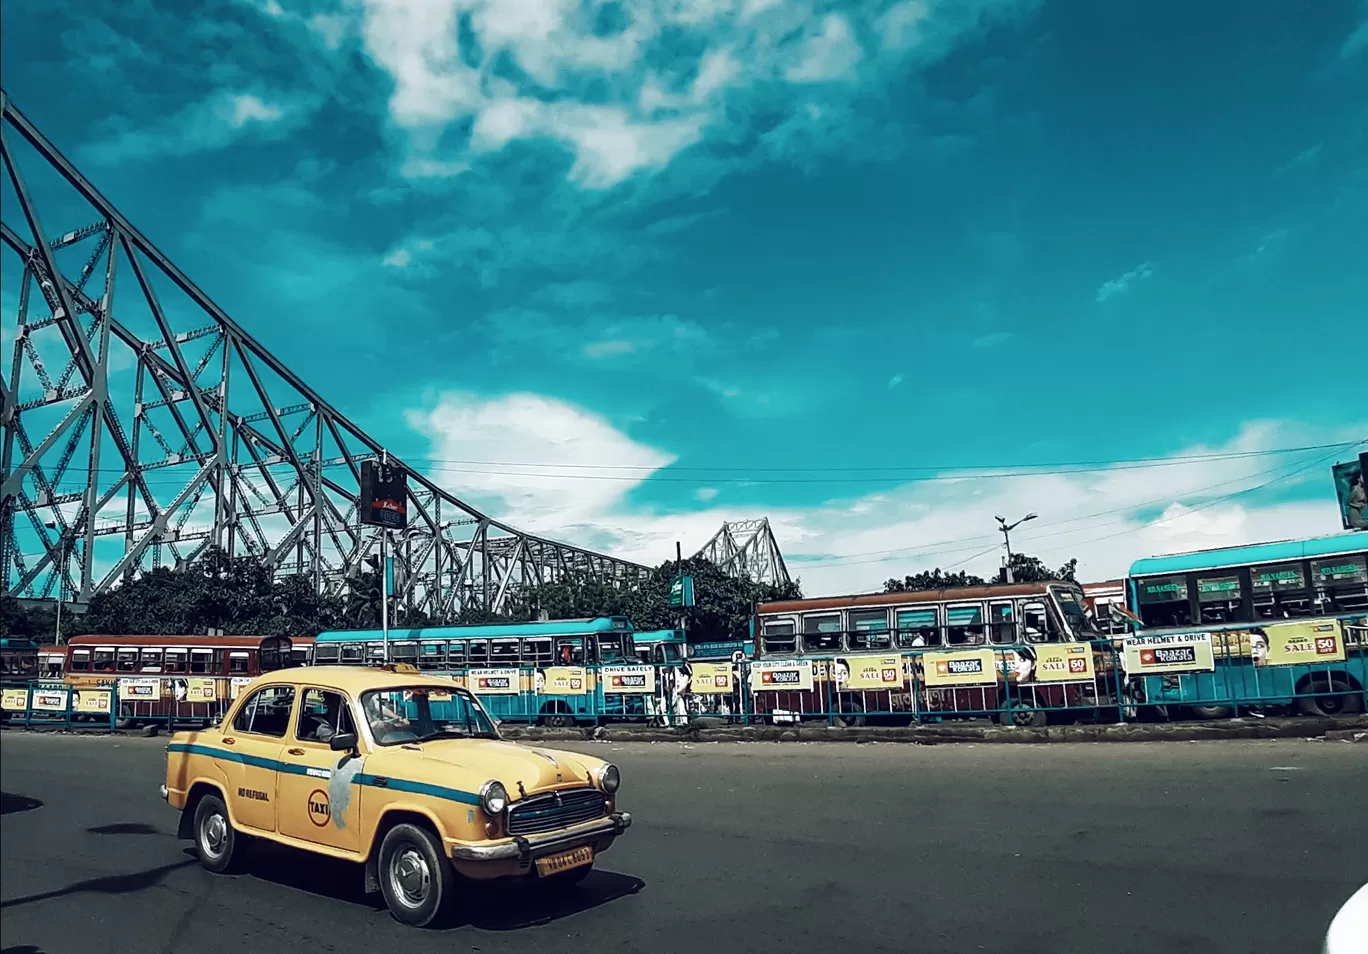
[{"x": 1317, "y": 669}]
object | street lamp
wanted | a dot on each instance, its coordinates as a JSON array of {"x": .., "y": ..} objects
[
  {"x": 1006, "y": 529},
  {"x": 64, "y": 550}
]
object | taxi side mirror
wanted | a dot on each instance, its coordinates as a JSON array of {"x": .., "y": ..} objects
[{"x": 343, "y": 742}]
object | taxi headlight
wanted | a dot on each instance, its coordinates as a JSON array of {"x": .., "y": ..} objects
[
  {"x": 609, "y": 778},
  {"x": 493, "y": 798}
]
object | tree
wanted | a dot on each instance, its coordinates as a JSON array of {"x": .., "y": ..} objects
[{"x": 1025, "y": 569}]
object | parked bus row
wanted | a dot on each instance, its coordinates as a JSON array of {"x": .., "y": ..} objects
[{"x": 1267, "y": 628}]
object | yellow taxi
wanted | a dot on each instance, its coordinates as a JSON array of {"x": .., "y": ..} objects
[{"x": 403, "y": 773}]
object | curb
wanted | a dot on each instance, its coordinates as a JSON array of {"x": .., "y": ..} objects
[{"x": 1349, "y": 729}]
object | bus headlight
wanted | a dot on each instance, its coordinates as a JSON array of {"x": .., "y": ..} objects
[
  {"x": 493, "y": 798},
  {"x": 609, "y": 778}
]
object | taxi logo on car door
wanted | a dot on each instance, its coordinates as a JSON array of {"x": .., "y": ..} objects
[{"x": 319, "y": 811}]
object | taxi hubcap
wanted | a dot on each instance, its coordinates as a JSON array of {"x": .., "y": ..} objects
[
  {"x": 410, "y": 876},
  {"x": 215, "y": 833}
]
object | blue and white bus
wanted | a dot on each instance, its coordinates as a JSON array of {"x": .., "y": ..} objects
[
  {"x": 558, "y": 672},
  {"x": 1265, "y": 625}
]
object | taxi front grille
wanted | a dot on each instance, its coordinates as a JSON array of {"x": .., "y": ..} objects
[{"x": 556, "y": 810}]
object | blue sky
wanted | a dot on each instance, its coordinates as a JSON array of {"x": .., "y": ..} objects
[{"x": 706, "y": 248}]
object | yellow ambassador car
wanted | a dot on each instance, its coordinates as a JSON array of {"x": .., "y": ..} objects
[{"x": 401, "y": 772}]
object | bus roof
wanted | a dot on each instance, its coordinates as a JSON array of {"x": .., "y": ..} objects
[
  {"x": 658, "y": 636},
  {"x": 555, "y": 627},
  {"x": 175, "y": 642},
  {"x": 1336, "y": 544},
  {"x": 988, "y": 592}
]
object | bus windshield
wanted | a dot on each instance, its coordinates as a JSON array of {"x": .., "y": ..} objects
[
  {"x": 1070, "y": 604},
  {"x": 423, "y": 714}
]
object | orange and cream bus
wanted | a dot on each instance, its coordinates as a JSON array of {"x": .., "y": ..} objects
[{"x": 1011, "y": 651}]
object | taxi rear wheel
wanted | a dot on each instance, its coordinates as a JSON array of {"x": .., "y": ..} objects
[
  {"x": 415, "y": 879},
  {"x": 218, "y": 845}
]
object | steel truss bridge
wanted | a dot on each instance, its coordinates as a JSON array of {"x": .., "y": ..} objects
[
  {"x": 747, "y": 549},
  {"x": 142, "y": 425}
]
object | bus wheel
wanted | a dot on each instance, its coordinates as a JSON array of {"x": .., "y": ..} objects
[
  {"x": 1314, "y": 697},
  {"x": 126, "y": 724},
  {"x": 1211, "y": 712},
  {"x": 852, "y": 717},
  {"x": 558, "y": 720},
  {"x": 1023, "y": 717}
]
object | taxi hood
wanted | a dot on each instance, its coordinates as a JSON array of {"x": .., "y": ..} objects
[{"x": 536, "y": 768}]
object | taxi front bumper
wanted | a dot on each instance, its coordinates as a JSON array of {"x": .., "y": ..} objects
[{"x": 522, "y": 850}]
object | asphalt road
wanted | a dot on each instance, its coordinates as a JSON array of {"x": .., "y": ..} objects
[{"x": 1146, "y": 847}]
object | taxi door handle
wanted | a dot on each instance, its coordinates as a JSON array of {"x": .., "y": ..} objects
[
  {"x": 294, "y": 751},
  {"x": 229, "y": 741}
]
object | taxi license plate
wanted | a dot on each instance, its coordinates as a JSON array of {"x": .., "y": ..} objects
[{"x": 555, "y": 864}]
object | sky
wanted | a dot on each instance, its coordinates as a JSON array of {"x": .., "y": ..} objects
[{"x": 618, "y": 272}]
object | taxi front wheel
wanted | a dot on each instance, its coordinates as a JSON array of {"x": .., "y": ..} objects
[
  {"x": 218, "y": 845},
  {"x": 414, "y": 876}
]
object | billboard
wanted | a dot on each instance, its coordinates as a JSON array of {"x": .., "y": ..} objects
[
  {"x": 1349, "y": 488},
  {"x": 384, "y": 495}
]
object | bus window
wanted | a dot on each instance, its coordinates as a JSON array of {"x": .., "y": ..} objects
[
  {"x": 822, "y": 632},
  {"x": 175, "y": 660},
  {"x": 104, "y": 660},
  {"x": 569, "y": 651},
  {"x": 1002, "y": 623},
  {"x": 1341, "y": 583},
  {"x": 456, "y": 653},
  {"x": 237, "y": 663},
  {"x": 778, "y": 636},
  {"x": 375, "y": 654},
  {"x": 615, "y": 647},
  {"x": 327, "y": 654},
  {"x": 964, "y": 625},
  {"x": 504, "y": 652},
  {"x": 404, "y": 653},
  {"x": 80, "y": 660},
  {"x": 273, "y": 655},
  {"x": 1038, "y": 624},
  {"x": 478, "y": 652},
  {"x": 353, "y": 654},
  {"x": 1068, "y": 602},
  {"x": 201, "y": 661},
  {"x": 918, "y": 627},
  {"x": 127, "y": 660},
  {"x": 537, "y": 652},
  {"x": 1219, "y": 598},
  {"x": 51, "y": 665},
  {"x": 151, "y": 660},
  {"x": 1164, "y": 601},
  {"x": 432, "y": 656},
  {"x": 1280, "y": 591},
  {"x": 869, "y": 629}
]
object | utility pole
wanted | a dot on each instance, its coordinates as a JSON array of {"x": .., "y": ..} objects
[
  {"x": 384, "y": 577},
  {"x": 1007, "y": 541}
]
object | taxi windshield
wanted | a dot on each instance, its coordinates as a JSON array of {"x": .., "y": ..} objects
[{"x": 424, "y": 713}]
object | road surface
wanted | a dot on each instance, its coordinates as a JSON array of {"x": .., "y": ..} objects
[{"x": 1145, "y": 847}]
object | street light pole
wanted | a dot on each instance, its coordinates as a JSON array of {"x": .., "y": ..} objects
[
  {"x": 1006, "y": 529},
  {"x": 64, "y": 551}
]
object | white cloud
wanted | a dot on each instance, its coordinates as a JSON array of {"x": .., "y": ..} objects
[
  {"x": 630, "y": 98},
  {"x": 1357, "y": 40},
  {"x": 1106, "y": 519},
  {"x": 894, "y": 381},
  {"x": 993, "y": 339},
  {"x": 1121, "y": 284},
  {"x": 827, "y": 55},
  {"x": 213, "y": 123},
  {"x": 606, "y": 349}
]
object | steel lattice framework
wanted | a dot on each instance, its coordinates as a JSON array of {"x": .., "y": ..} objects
[
  {"x": 747, "y": 548},
  {"x": 142, "y": 425}
]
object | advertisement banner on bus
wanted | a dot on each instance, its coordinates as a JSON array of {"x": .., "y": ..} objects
[
  {"x": 565, "y": 681},
  {"x": 50, "y": 700},
  {"x": 711, "y": 679},
  {"x": 139, "y": 690},
  {"x": 236, "y": 684},
  {"x": 968, "y": 667},
  {"x": 869, "y": 672},
  {"x": 200, "y": 690},
  {"x": 493, "y": 682},
  {"x": 14, "y": 700},
  {"x": 92, "y": 701},
  {"x": 1288, "y": 644},
  {"x": 628, "y": 680},
  {"x": 771, "y": 675},
  {"x": 1185, "y": 652},
  {"x": 1067, "y": 663}
]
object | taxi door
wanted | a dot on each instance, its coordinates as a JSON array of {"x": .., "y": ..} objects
[
  {"x": 250, "y": 753},
  {"x": 318, "y": 801}
]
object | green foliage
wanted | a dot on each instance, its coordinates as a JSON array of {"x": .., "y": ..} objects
[
  {"x": 723, "y": 610},
  {"x": 1025, "y": 569}
]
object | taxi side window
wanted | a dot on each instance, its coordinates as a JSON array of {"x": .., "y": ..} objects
[
  {"x": 267, "y": 712},
  {"x": 323, "y": 715}
]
